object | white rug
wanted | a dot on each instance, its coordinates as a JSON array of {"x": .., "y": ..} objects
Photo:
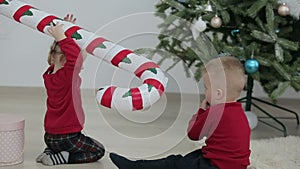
[{"x": 275, "y": 153}]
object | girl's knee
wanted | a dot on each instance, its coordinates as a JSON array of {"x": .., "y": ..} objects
[{"x": 101, "y": 152}]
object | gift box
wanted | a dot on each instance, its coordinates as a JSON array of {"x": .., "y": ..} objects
[{"x": 11, "y": 139}]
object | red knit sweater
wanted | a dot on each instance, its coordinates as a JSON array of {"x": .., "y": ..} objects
[
  {"x": 64, "y": 106},
  {"x": 228, "y": 135}
]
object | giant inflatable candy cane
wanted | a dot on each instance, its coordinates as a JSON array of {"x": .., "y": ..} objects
[{"x": 153, "y": 78}]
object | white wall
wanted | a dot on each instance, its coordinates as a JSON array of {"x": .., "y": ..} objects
[{"x": 129, "y": 23}]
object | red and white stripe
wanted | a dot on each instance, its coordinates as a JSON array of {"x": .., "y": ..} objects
[{"x": 154, "y": 82}]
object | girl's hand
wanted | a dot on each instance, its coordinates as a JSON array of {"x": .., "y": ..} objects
[
  {"x": 57, "y": 31},
  {"x": 70, "y": 18}
]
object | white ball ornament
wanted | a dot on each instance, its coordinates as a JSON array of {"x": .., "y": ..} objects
[
  {"x": 283, "y": 10},
  {"x": 197, "y": 27},
  {"x": 252, "y": 119},
  {"x": 216, "y": 22},
  {"x": 200, "y": 25}
]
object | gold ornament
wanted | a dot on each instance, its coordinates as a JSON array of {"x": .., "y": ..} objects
[
  {"x": 283, "y": 10},
  {"x": 216, "y": 22}
]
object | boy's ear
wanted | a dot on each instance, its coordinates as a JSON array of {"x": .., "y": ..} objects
[{"x": 220, "y": 94}]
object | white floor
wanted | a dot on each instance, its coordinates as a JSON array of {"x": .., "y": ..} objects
[{"x": 153, "y": 133}]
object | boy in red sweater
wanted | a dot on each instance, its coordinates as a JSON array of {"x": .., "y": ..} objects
[
  {"x": 64, "y": 119},
  {"x": 220, "y": 119}
]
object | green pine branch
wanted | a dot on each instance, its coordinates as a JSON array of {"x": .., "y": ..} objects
[{"x": 249, "y": 27}]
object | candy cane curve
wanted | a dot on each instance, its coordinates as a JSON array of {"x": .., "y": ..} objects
[{"x": 128, "y": 99}]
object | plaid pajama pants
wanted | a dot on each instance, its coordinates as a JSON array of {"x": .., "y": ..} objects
[{"x": 82, "y": 149}]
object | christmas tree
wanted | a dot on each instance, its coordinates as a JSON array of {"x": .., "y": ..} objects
[{"x": 262, "y": 31}]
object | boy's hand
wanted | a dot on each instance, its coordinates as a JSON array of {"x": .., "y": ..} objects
[
  {"x": 57, "y": 31},
  {"x": 70, "y": 18},
  {"x": 204, "y": 104}
]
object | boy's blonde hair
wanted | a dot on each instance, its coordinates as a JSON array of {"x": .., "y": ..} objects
[
  {"x": 229, "y": 71},
  {"x": 54, "y": 48}
]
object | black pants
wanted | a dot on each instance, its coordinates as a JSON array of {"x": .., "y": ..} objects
[{"x": 193, "y": 160}]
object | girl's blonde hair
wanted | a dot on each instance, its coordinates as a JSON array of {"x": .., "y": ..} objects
[{"x": 54, "y": 48}]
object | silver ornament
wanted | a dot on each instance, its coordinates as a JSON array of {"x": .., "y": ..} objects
[
  {"x": 208, "y": 7},
  {"x": 283, "y": 10}
]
